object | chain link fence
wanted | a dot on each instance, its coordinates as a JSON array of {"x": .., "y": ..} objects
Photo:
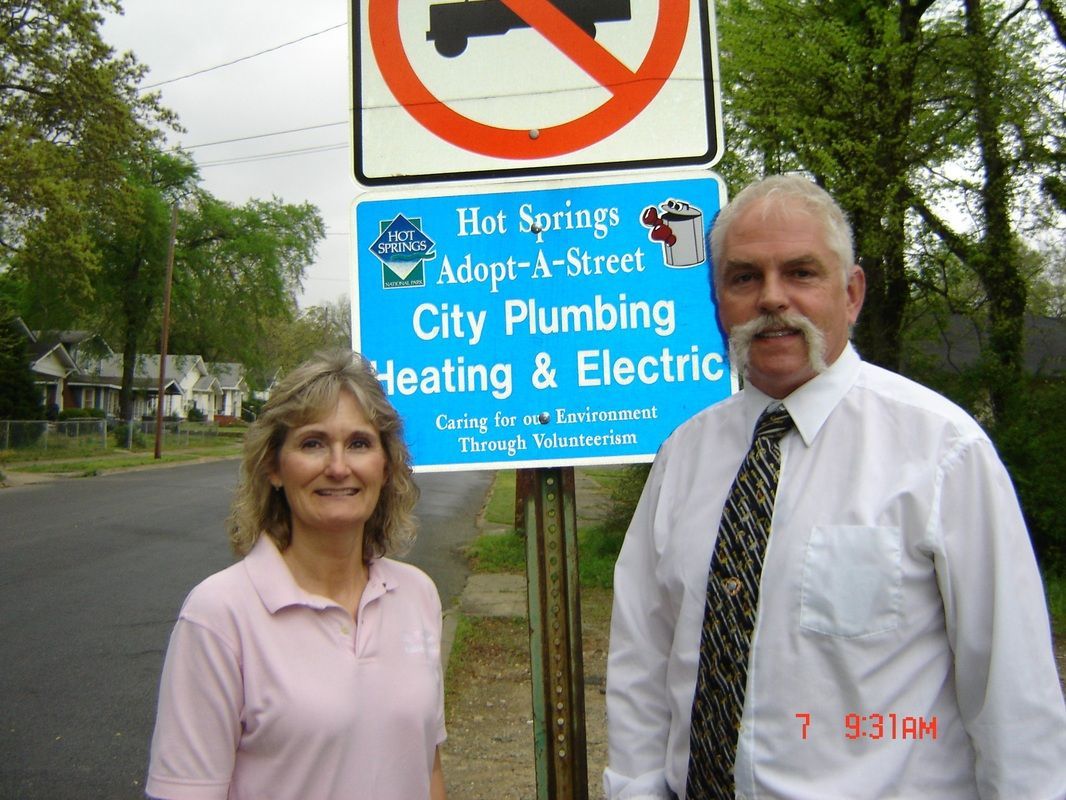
[{"x": 81, "y": 435}]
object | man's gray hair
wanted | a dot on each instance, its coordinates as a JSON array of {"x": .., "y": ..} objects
[{"x": 783, "y": 194}]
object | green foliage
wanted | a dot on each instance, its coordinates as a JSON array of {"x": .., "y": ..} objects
[
  {"x": 86, "y": 197},
  {"x": 82, "y": 413},
  {"x": 624, "y": 496},
  {"x": 464, "y": 634},
  {"x": 23, "y": 435},
  {"x": 498, "y": 552},
  {"x": 237, "y": 272},
  {"x": 920, "y": 119},
  {"x": 1055, "y": 586},
  {"x": 598, "y": 544},
  {"x": 69, "y": 112},
  {"x": 122, "y": 437},
  {"x": 19, "y": 398},
  {"x": 1032, "y": 443},
  {"x": 293, "y": 340},
  {"x": 506, "y": 552},
  {"x": 195, "y": 414},
  {"x": 501, "y": 505},
  {"x": 251, "y": 408},
  {"x": 597, "y": 551}
]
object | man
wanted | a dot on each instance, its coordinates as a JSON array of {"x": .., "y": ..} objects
[{"x": 900, "y": 644}]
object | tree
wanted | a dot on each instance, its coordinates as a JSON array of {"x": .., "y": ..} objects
[
  {"x": 335, "y": 321},
  {"x": 69, "y": 113},
  {"x": 132, "y": 237},
  {"x": 237, "y": 273},
  {"x": 19, "y": 398},
  {"x": 293, "y": 341}
]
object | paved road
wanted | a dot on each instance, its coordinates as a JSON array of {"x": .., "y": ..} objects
[{"x": 92, "y": 573}]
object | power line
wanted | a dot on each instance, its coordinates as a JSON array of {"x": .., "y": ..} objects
[
  {"x": 262, "y": 135},
  {"x": 270, "y": 156},
  {"x": 242, "y": 58}
]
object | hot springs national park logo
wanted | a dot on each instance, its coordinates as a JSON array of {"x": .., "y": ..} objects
[{"x": 403, "y": 250}]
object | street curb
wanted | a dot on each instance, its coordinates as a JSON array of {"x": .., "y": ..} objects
[{"x": 449, "y": 623}]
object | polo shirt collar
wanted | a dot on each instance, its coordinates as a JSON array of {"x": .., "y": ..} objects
[
  {"x": 277, "y": 589},
  {"x": 811, "y": 404}
]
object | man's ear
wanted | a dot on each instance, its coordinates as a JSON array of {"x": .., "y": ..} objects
[{"x": 856, "y": 292}]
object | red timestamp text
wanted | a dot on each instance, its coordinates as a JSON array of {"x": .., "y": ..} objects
[{"x": 879, "y": 726}]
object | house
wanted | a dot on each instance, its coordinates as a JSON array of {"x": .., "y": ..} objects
[
  {"x": 187, "y": 383},
  {"x": 961, "y": 340},
  {"x": 50, "y": 363},
  {"x": 56, "y": 357},
  {"x": 234, "y": 389},
  {"x": 78, "y": 369}
]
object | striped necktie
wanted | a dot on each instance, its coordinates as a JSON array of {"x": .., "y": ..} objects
[{"x": 729, "y": 618}]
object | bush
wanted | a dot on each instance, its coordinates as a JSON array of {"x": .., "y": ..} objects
[
  {"x": 196, "y": 415},
  {"x": 81, "y": 413},
  {"x": 597, "y": 551},
  {"x": 624, "y": 497},
  {"x": 121, "y": 433},
  {"x": 1033, "y": 446},
  {"x": 19, "y": 397}
]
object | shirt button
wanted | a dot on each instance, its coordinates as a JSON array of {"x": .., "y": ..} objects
[
  {"x": 345, "y": 630},
  {"x": 732, "y": 586}
]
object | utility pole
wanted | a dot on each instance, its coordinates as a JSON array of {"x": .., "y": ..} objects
[{"x": 166, "y": 332}]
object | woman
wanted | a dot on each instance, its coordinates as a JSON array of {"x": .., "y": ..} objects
[{"x": 310, "y": 668}]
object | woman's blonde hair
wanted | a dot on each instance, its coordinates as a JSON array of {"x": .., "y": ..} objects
[{"x": 307, "y": 394}]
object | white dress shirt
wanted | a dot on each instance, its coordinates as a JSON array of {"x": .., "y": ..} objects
[{"x": 901, "y": 647}]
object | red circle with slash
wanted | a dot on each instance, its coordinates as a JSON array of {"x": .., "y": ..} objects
[{"x": 631, "y": 91}]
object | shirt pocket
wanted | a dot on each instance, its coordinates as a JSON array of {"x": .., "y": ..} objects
[{"x": 852, "y": 580}]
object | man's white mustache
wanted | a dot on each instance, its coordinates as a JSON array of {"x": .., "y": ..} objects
[{"x": 740, "y": 338}]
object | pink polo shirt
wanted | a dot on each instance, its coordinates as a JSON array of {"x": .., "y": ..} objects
[{"x": 271, "y": 692}]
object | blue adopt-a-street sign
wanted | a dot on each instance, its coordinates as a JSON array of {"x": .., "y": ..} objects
[{"x": 541, "y": 324}]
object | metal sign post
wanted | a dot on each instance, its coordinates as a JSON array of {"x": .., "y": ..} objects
[{"x": 555, "y": 635}]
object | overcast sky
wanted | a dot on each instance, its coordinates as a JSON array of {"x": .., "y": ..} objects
[{"x": 299, "y": 85}]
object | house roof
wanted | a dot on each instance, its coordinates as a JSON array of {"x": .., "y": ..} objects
[
  {"x": 962, "y": 340},
  {"x": 230, "y": 375},
  {"x": 42, "y": 352},
  {"x": 146, "y": 368},
  {"x": 107, "y": 371},
  {"x": 208, "y": 383},
  {"x": 63, "y": 337}
]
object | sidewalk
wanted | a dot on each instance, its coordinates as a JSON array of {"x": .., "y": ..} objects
[
  {"x": 504, "y": 595},
  {"x": 13, "y": 477}
]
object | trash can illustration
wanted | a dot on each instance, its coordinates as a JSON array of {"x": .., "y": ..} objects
[{"x": 680, "y": 230}]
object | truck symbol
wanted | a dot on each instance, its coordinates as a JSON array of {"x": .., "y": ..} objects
[{"x": 452, "y": 24}]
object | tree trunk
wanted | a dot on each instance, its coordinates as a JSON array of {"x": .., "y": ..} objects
[{"x": 996, "y": 261}]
